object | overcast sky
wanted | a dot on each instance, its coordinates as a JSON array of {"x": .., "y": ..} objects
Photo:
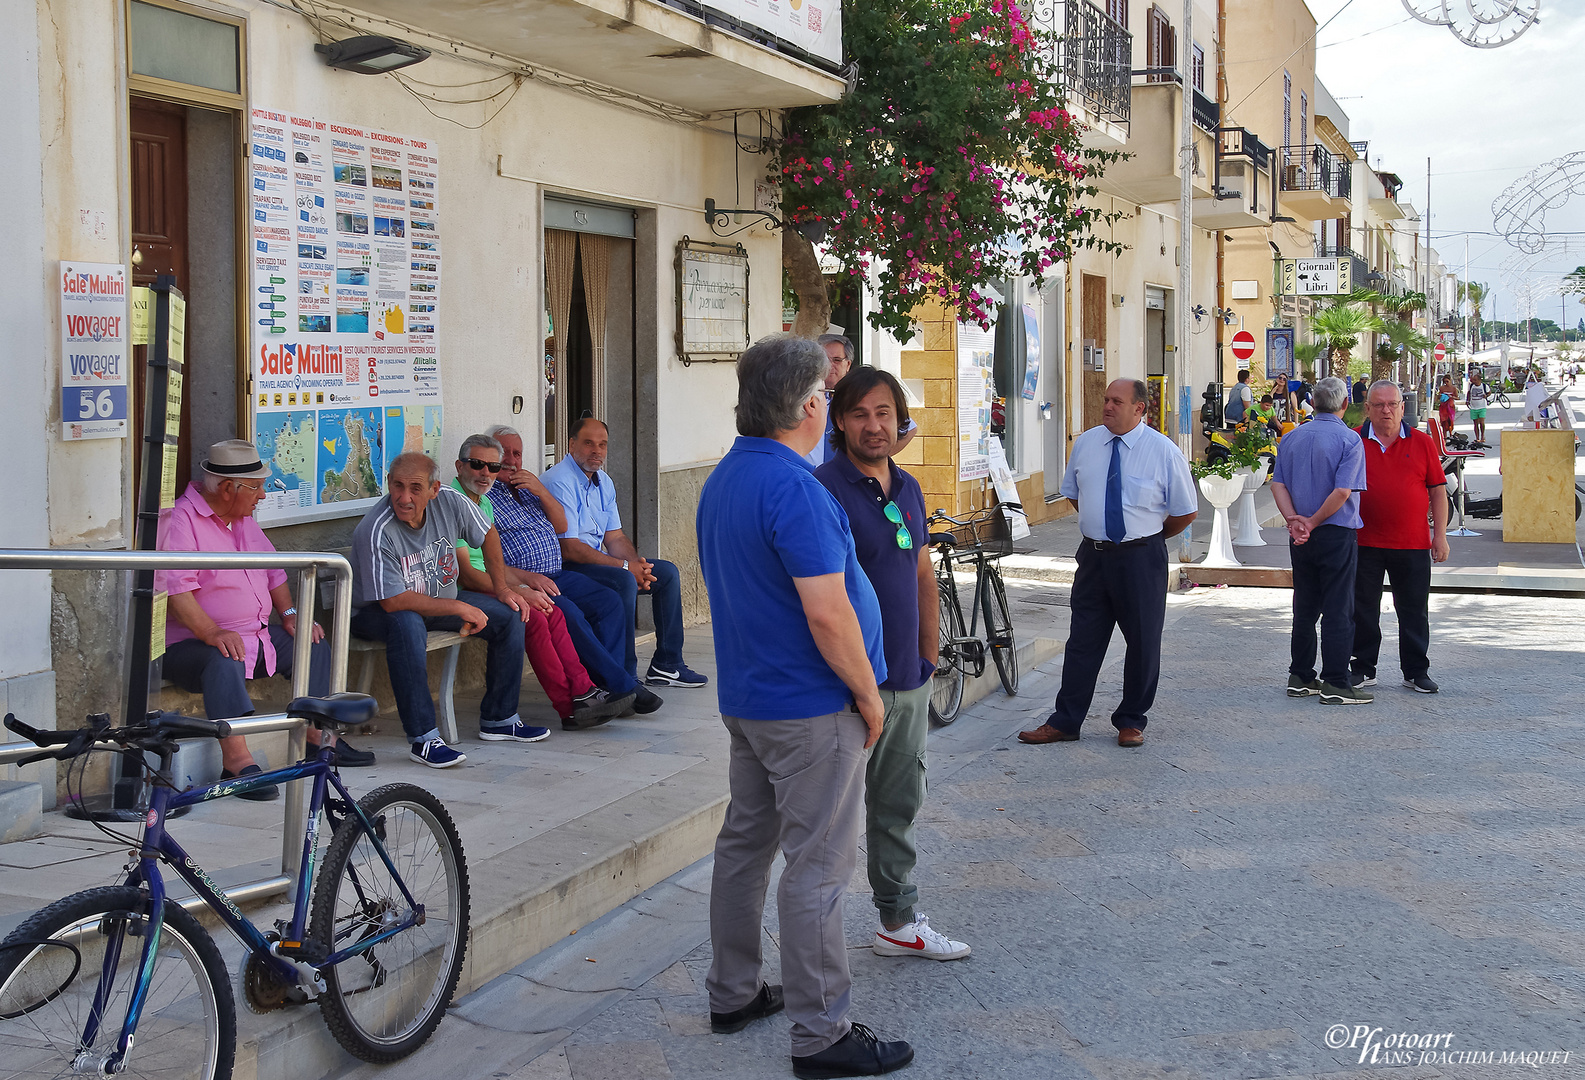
[{"x": 1485, "y": 117}]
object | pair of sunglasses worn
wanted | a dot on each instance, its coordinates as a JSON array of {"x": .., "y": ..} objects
[
  {"x": 905, "y": 539},
  {"x": 475, "y": 463}
]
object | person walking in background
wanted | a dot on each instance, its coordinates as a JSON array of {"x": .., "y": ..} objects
[
  {"x": 886, "y": 513},
  {"x": 1404, "y": 485},
  {"x": 1475, "y": 399},
  {"x": 799, "y": 652},
  {"x": 1134, "y": 492},
  {"x": 1316, "y": 483},
  {"x": 1447, "y": 403}
]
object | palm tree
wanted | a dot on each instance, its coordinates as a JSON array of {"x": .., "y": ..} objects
[
  {"x": 1476, "y": 293},
  {"x": 1403, "y": 307},
  {"x": 1403, "y": 342},
  {"x": 1339, "y": 328}
]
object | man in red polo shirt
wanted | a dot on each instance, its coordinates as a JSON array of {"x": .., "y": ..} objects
[{"x": 1405, "y": 487}]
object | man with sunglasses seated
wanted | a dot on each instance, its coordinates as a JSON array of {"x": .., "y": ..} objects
[{"x": 886, "y": 514}]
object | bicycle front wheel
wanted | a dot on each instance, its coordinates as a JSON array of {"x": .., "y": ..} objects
[
  {"x": 91, "y": 944},
  {"x": 999, "y": 630},
  {"x": 383, "y": 1003},
  {"x": 946, "y": 685}
]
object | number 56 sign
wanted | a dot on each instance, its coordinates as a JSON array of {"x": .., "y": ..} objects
[{"x": 94, "y": 341}]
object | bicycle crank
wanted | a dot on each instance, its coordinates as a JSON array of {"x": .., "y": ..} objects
[{"x": 263, "y": 990}]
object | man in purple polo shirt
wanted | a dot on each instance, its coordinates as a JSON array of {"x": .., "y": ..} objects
[
  {"x": 1319, "y": 475},
  {"x": 886, "y": 513}
]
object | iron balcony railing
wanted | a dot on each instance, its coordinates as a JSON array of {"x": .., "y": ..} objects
[
  {"x": 1092, "y": 52},
  {"x": 1361, "y": 271},
  {"x": 1255, "y": 159},
  {"x": 1312, "y": 167},
  {"x": 1241, "y": 142},
  {"x": 1207, "y": 113}
]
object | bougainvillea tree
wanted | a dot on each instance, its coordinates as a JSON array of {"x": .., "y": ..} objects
[{"x": 954, "y": 162}]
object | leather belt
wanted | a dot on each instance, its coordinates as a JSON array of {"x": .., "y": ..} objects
[{"x": 1108, "y": 545}]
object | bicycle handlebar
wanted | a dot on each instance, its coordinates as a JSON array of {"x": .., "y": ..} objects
[{"x": 165, "y": 728}]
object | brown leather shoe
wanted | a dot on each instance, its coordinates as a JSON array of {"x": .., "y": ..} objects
[
  {"x": 1045, "y": 733},
  {"x": 1130, "y": 736}
]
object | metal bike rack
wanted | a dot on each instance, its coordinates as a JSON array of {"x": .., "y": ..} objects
[{"x": 307, "y": 564}]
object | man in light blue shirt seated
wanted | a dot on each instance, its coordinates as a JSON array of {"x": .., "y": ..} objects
[{"x": 595, "y": 545}]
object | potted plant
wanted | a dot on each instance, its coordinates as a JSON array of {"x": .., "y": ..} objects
[{"x": 1221, "y": 485}]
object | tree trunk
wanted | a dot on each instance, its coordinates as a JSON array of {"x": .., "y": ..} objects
[
  {"x": 803, "y": 273},
  {"x": 1379, "y": 368}
]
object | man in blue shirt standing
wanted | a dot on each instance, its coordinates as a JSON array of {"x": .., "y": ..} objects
[
  {"x": 595, "y": 545},
  {"x": 799, "y": 651},
  {"x": 886, "y": 513},
  {"x": 1133, "y": 490},
  {"x": 1319, "y": 475}
]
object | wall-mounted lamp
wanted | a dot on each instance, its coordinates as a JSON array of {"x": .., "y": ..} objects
[
  {"x": 371, "y": 54},
  {"x": 812, "y": 231}
]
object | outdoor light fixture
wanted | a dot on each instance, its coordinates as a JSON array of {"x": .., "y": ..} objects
[
  {"x": 812, "y": 231},
  {"x": 371, "y": 54}
]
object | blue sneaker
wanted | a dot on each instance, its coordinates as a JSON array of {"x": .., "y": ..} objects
[
  {"x": 683, "y": 676},
  {"x": 517, "y": 731},
  {"x": 436, "y": 754}
]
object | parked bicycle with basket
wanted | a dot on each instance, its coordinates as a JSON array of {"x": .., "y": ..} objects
[
  {"x": 122, "y": 979},
  {"x": 978, "y": 542}
]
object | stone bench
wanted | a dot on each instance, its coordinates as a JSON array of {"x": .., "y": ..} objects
[{"x": 445, "y": 709}]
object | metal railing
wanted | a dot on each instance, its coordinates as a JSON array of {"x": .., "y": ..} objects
[
  {"x": 1091, "y": 52},
  {"x": 307, "y": 564},
  {"x": 1312, "y": 167},
  {"x": 1207, "y": 113},
  {"x": 1241, "y": 142}
]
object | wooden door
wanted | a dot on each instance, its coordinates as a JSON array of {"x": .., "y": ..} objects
[
  {"x": 159, "y": 235},
  {"x": 1093, "y": 329},
  {"x": 1161, "y": 45}
]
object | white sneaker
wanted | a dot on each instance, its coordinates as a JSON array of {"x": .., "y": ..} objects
[{"x": 917, "y": 939}]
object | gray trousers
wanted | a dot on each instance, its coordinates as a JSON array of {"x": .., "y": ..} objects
[
  {"x": 798, "y": 784},
  {"x": 894, "y": 790}
]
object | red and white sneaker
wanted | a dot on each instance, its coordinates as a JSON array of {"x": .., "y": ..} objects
[{"x": 917, "y": 939}]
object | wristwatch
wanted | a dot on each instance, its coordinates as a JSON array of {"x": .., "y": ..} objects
[
  {"x": 289, "y": 611},
  {"x": 624, "y": 564}
]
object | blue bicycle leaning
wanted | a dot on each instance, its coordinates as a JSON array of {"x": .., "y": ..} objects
[{"x": 122, "y": 979}]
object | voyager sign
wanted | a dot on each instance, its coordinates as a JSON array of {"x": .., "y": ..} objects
[{"x": 94, "y": 344}]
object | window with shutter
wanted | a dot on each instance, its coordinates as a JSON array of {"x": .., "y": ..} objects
[
  {"x": 1287, "y": 109},
  {"x": 1118, "y": 10},
  {"x": 1199, "y": 69},
  {"x": 1161, "y": 44}
]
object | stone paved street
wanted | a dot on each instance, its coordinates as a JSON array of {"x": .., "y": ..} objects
[{"x": 1207, "y": 906}]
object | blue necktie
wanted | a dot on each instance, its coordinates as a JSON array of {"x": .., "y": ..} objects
[{"x": 1115, "y": 530}]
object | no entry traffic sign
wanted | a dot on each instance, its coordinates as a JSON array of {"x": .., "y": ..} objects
[
  {"x": 1243, "y": 344},
  {"x": 1441, "y": 352}
]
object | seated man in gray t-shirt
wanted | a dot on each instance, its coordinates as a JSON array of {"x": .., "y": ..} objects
[{"x": 404, "y": 584}]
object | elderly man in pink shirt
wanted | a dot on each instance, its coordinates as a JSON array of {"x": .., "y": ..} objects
[{"x": 218, "y": 633}]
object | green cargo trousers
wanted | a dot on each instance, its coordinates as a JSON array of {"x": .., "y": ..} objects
[{"x": 894, "y": 791}]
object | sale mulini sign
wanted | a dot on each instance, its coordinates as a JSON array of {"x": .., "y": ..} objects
[{"x": 94, "y": 343}]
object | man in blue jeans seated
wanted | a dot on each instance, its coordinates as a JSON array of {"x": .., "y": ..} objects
[
  {"x": 404, "y": 584},
  {"x": 528, "y": 517},
  {"x": 593, "y": 544}
]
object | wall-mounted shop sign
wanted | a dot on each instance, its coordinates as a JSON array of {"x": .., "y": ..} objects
[
  {"x": 1317, "y": 277},
  {"x": 712, "y": 301}
]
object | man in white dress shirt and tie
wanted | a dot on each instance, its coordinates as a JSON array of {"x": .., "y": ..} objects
[{"x": 1133, "y": 490}]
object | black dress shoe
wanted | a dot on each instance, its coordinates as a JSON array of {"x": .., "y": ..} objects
[
  {"x": 350, "y": 757},
  {"x": 858, "y": 1053},
  {"x": 767, "y": 1002},
  {"x": 268, "y": 793}
]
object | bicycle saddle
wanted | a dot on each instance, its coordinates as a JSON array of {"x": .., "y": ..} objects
[
  {"x": 343, "y": 710},
  {"x": 943, "y": 538}
]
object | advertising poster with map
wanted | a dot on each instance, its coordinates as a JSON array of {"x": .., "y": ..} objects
[{"x": 346, "y": 276}]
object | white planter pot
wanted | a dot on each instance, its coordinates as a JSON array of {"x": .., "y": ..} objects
[
  {"x": 1246, "y": 524},
  {"x": 1221, "y": 494}
]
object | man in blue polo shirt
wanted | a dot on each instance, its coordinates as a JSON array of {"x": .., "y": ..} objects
[
  {"x": 886, "y": 513},
  {"x": 1319, "y": 475},
  {"x": 799, "y": 650},
  {"x": 594, "y": 544}
]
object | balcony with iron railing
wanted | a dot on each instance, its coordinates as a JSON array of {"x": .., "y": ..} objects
[
  {"x": 1152, "y": 173},
  {"x": 1094, "y": 55},
  {"x": 1242, "y": 183},
  {"x": 1362, "y": 276},
  {"x": 1314, "y": 183}
]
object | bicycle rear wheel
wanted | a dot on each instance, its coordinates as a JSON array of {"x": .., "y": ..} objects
[
  {"x": 999, "y": 630},
  {"x": 383, "y": 1004},
  {"x": 53, "y": 966},
  {"x": 946, "y": 685}
]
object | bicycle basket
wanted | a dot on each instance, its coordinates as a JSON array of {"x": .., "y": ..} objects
[{"x": 988, "y": 530}]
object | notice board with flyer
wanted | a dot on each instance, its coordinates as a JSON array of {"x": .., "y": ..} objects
[
  {"x": 976, "y": 348},
  {"x": 346, "y": 271}
]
